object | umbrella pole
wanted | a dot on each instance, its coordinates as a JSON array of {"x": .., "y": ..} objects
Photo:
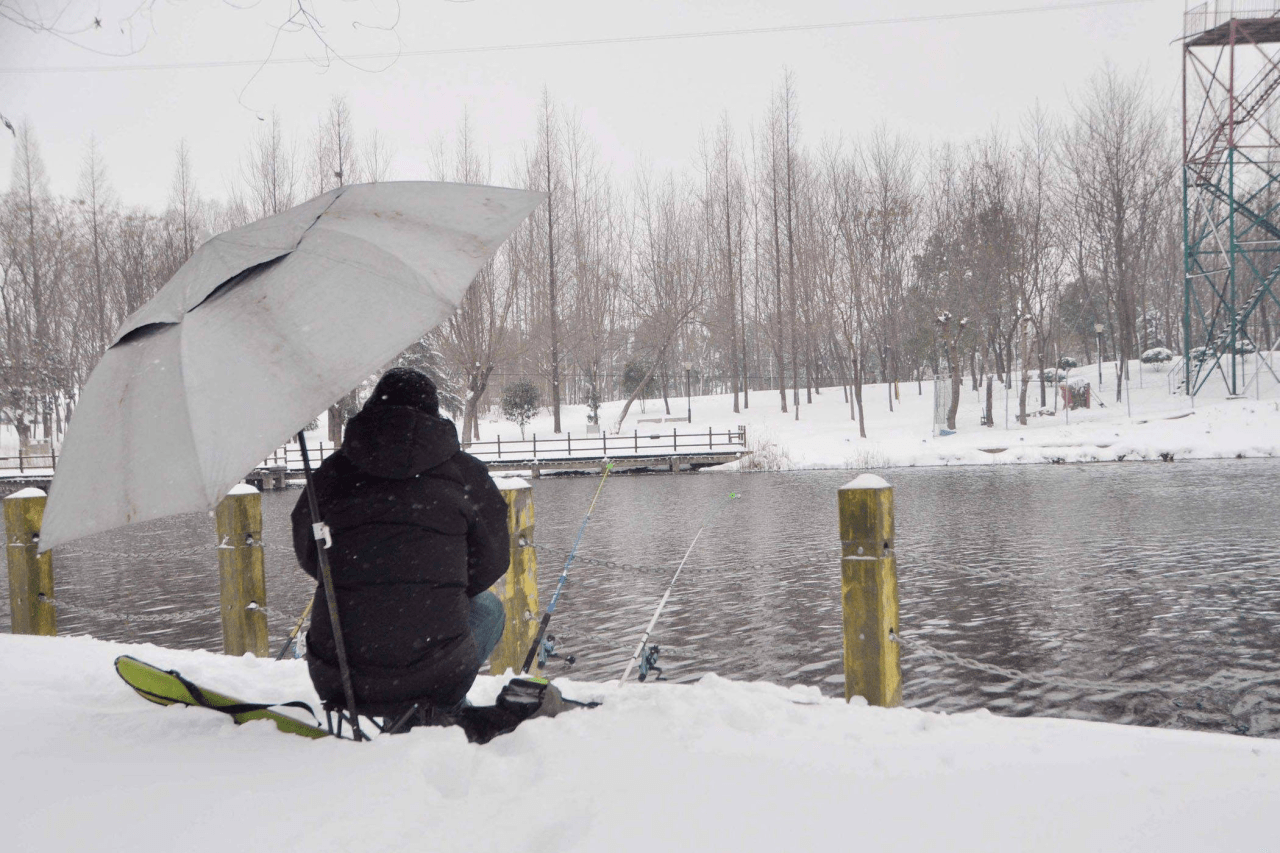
[{"x": 321, "y": 534}]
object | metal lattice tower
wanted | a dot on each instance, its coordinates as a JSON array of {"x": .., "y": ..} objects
[{"x": 1231, "y": 186}]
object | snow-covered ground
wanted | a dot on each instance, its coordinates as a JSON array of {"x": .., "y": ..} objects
[
  {"x": 1148, "y": 422},
  {"x": 720, "y": 765}
]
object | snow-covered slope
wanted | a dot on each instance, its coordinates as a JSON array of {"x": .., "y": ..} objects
[{"x": 1148, "y": 422}]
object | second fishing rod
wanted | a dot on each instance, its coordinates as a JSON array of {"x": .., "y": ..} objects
[
  {"x": 650, "y": 661},
  {"x": 564, "y": 575}
]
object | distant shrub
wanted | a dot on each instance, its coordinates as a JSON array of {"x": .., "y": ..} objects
[
  {"x": 520, "y": 402},
  {"x": 1068, "y": 363},
  {"x": 632, "y": 375},
  {"x": 865, "y": 458},
  {"x": 1157, "y": 355},
  {"x": 765, "y": 455}
]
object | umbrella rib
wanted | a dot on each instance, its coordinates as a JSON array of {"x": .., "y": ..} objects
[
  {"x": 212, "y": 499},
  {"x": 245, "y": 273}
]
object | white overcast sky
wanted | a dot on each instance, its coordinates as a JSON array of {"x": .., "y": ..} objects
[{"x": 642, "y": 100}]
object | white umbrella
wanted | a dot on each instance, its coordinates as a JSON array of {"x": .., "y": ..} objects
[{"x": 261, "y": 329}]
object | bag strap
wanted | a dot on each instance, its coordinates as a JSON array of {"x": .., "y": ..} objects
[{"x": 239, "y": 708}]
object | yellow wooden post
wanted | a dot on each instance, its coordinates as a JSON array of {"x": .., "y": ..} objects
[
  {"x": 30, "y": 576},
  {"x": 518, "y": 588},
  {"x": 869, "y": 591},
  {"x": 241, "y": 573}
]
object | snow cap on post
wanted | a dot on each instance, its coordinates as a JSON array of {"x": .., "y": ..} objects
[{"x": 866, "y": 481}]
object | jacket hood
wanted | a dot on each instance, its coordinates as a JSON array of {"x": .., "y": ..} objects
[{"x": 398, "y": 442}]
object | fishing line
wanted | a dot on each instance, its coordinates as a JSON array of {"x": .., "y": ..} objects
[
  {"x": 652, "y": 659},
  {"x": 564, "y": 575}
]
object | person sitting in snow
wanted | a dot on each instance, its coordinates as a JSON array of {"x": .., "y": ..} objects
[{"x": 419, "y": 534}]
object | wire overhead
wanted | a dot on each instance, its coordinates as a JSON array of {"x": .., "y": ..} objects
[{"x": 590, "y": 42}]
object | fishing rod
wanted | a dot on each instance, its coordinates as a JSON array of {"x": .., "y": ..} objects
[
  {"x": 323, "y": 540},
  {"x": 293, "y": 635},
  {"x": 651, "y": 660},
  {"x": 564, "y": 575}
]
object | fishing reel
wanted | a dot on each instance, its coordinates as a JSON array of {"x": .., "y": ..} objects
[
  {"x": 548, "y": 650},
  {"x": 649, "y": 663}
]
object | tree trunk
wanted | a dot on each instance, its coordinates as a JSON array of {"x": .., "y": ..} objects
[
  {"x": 645, "y": 381},
  {"x": 857, "y": 395},
  {"x": 551, "y": 295},
  {"x": 1026, "y": 380},
  {"x": 336, "y": 422},
  {"x": 1043, "y": 399},
  {"x": 728, "y": 256},
  {"x": 957, "y": 379}
]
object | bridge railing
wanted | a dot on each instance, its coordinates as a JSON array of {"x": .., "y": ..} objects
[
  {"x": 25, "y": 462},
  {"x": 602, "y": 444},
  {"x": 568, "y": 445},
  {"x": 290, "y": 456}
]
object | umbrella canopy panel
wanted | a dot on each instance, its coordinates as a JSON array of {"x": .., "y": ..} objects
[{"x": 179, "y": 410}]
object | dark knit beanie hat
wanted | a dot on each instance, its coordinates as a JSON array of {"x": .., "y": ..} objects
[{"x": 404, "y": 386}]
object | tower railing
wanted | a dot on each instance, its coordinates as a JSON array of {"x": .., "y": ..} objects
[{"x": 1208, "y": 15}]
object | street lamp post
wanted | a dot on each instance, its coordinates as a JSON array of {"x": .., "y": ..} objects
[
  {"x": 1098, "y": 328},
  {"x": 688, "y": 371}
]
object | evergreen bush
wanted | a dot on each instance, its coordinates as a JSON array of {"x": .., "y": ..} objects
[{"x": 520, "y": 402}]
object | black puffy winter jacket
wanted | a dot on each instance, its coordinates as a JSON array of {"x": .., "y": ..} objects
[{"x": 418, "y": 528}]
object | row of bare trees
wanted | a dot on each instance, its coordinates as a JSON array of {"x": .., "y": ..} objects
[{"x": 774, "y": 264}]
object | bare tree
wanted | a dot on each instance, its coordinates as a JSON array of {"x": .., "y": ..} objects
[
  {"x": 848, "y": 297},
  {"x": 594, "y": 263},
  {"x": 334, "y": 163},
  {"x": 98, "y": 202},
  {"x": 478, "y": 334},
  {"x": 1117, "y": 156},
  {"x": 185, "y": 205},
  {"x": 670, "y": 259},
  {"x": 723, "y": 203},
  {"x": 890, "y": 230},
  {"x": 549, "y": 179},
  {"x": 377, "y": 157},
  {"x": 1039, "y": 259},
  {"x": 35, "y": 255},
  {"x": 269, "y": 170}
]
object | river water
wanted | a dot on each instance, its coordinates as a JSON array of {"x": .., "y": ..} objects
[{"x": 1137, "y": 582}]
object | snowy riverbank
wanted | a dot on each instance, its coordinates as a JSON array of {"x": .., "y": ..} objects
[
  {"x": 1147, "y": 424},
  {"x": 719, "y": 765}
]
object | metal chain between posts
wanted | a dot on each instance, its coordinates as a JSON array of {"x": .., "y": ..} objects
[
  {"x": 1217, "y": 682},
  {"x": 811, "y": 560},
  {"x": 1003, "y": 574},
  {"x": 178, "y": 616},
  {"x": 148, "y": 554}
]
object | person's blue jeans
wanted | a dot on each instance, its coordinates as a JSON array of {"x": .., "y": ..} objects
[{"x": 486, "y": 620}]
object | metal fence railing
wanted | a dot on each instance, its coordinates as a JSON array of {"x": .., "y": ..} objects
[
  {"x": 290, "y": 456},
  {"x": 1206, "y": 16},
  {"x": 603, "y": 444},
  {"x": 24, "y": 462}
]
